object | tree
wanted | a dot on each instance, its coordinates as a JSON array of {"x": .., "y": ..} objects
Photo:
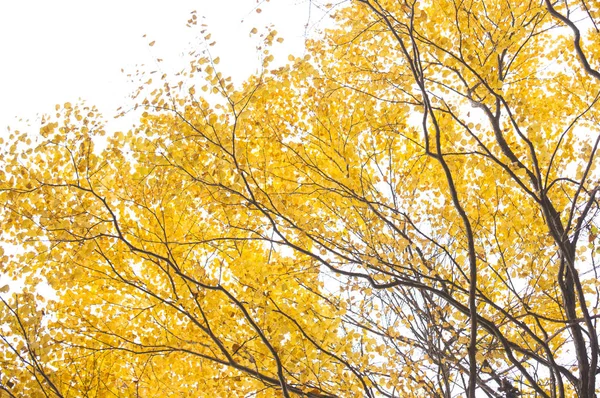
[{"x": 408, "y": 210}]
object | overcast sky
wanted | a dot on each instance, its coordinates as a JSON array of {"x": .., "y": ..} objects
[{"x": 53, "y": 51}]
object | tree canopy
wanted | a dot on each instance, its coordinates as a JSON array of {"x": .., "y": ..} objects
[{"x": 408, "y": 210}]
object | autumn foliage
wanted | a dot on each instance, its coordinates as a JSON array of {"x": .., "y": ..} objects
[{"x": 409, "y": 210}]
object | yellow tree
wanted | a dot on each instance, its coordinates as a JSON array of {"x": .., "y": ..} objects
[{"x": 409, "y": 210}]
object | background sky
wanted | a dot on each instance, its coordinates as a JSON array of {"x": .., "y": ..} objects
[{"x": 54, "y": 51}]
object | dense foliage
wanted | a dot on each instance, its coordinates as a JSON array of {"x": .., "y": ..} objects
[{"x": 410, "y": 210}]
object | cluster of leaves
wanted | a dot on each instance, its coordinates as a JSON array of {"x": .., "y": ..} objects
[{"x": 409, "y": 210}]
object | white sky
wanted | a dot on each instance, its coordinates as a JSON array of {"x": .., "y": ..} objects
[{"x": 54, "y": 51}]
